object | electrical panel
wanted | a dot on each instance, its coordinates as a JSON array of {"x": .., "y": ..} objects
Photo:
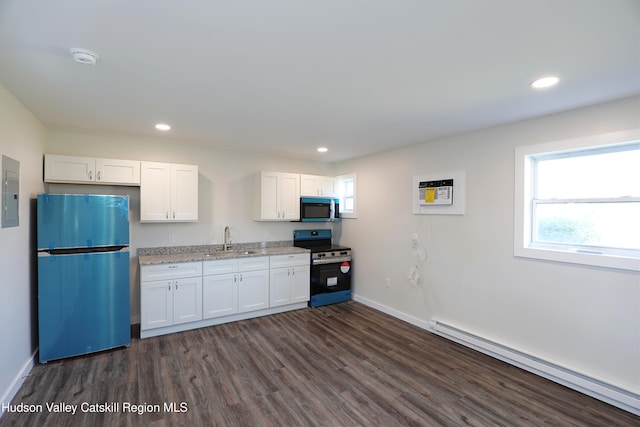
[{"x": 10, "y": 191}]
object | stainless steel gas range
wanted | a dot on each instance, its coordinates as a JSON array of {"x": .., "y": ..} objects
[{"x": 331, "y": 267}]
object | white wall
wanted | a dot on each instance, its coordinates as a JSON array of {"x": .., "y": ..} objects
[
  {"x": 226, "y": 191},
  {"x": 587, "y": 319},
  {"x": 584, "y": 318},
  {"x": 22, "y": 137}
]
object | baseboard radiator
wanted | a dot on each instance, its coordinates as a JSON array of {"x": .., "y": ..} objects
[{"x": 611, "y": 394}]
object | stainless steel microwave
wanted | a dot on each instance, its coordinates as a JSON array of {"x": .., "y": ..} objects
[{"x": 319, "y": 209}]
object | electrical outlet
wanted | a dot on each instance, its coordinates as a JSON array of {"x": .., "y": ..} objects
[
  {"x": 171, "y": 238},
  {"x": 414, "y": 239},
  {"x": 387, "y": 282}
]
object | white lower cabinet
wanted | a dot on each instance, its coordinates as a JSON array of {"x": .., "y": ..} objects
[
  {"x": 187, "y": 300},
  {"x": 253, "y": 284},
  {"x": 182, "y": 296},
  {"x": 170, "y": 294},
  {"x": 289, "y": 279},
  {"x": 219, "y": 288},
  {"x": 235, "y": 286}
]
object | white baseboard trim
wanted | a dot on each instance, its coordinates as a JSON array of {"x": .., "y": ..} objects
[
  {"x": 391, "y": 312},
  {"x": 11, "y": 392},
  {"x": 611, "y": 394}
]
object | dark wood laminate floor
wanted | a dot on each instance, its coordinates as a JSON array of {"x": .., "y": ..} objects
[{"x": 339, "y": 365}]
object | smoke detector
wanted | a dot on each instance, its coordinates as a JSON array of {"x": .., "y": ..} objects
[{"x": 84, "y": 56}]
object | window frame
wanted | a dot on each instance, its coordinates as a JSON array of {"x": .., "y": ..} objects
[
  {"x": 340, "y": 180},
  {"x": 524, "y": 212}
]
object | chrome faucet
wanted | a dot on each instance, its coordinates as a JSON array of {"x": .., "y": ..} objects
[{"x": 227, "y": 239}]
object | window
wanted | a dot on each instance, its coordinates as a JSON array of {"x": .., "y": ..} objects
[
  {"x": 579, "y": 201},
  {"x": 347, "y": 195}
]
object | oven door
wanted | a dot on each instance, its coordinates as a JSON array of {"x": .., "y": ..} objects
[{"x": 331, "y": 277}]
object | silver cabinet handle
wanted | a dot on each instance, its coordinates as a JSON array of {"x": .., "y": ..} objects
[
  {"x": 98, "y": 176},
  {"x": 90, "y": 175}
]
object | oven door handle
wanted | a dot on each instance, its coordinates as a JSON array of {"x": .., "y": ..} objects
[{"x": 321, "y": 261}]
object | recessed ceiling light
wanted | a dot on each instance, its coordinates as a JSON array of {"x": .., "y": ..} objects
[
  {"x": 322, "y": 149},
  {"x": 84, "y": 56},
  {"x": 545, "y": 82},
  {"x": 162, "y": 126}
]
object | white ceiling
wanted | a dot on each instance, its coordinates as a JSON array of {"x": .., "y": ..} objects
[{"x": 286, "y": 76}]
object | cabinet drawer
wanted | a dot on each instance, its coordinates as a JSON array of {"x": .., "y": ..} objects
[
  {"x": 221, "y": 266},
  {"x": 170, "y": 271},
  {"x": 253, "y": 263},
  {"x": 290, "y": 260}
]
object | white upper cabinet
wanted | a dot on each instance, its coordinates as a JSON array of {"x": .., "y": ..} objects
[
  {"x": 91, "y": 170},
  {"x": 278, "y": 196},
  {"x": 317, "y": 186},
  {"x": 168, "y": 192}
]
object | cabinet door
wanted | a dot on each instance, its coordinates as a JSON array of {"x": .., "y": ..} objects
[
  {"x": 155, "y": 191},
  {"x": 300, "y": 284},
  {"x": 279, "y": 287},
  {"x": 253, "y": 290},
  {"x": 219, "y": 295},
  {"x": 156, "y": 304},
  {"x": 290, "y": 201},
  {"x": 309, "y": 186},
  {"x": 327, "y": 184},
  {"x": 184, "y": 193},
  {"x": 59, "y": 168},
  {"x": 187, "y": 300},
  {"x": 268, "y": 187},
  {"x": 317, "y": 185},
  {"x": 118, "y": 172}
]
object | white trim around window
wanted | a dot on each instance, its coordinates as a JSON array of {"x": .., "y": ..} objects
[
  {"x": 523, "y": 246},
  {"x": 347, "y": 192}
]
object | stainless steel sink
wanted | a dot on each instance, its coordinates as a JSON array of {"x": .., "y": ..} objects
[
  {"x": 243, "y": 252},
  {"x": 230, "y": 253}
]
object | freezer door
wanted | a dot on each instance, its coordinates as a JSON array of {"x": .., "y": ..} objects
[
  {"x": 83, "y": 303},
  {"x": 82, "y": 220}
]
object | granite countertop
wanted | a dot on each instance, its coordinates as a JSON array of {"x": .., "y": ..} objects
[{"x": 172, "y": 255}]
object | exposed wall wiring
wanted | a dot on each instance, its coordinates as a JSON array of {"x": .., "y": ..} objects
[{"x": 418, "y": 258}]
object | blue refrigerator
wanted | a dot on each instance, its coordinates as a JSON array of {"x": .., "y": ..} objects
[{"x": 83, "y": 274}]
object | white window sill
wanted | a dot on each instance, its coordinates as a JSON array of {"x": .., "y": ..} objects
[{"x": 597, "y": 260}]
